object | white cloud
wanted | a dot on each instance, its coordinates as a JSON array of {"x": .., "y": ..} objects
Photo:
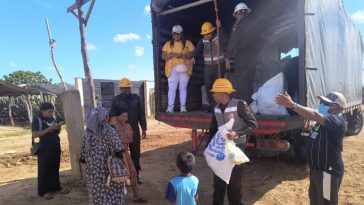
[
  {"x": 147, "y": 9},
  {"x": 131, "y": 66},
  {"x": 91, "y": 47},
  {"x": 12, "y": 64},
  {"x": 148, "y": 36},
  {"x": 358, "y": 17},
  {"x": 122, "y": 38},
  {"x": 139, "y": 50}
]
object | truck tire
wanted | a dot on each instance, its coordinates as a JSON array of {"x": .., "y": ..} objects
[{"x": 355, "y": 122}]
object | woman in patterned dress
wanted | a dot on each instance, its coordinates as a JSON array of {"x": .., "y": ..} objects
[
  {"x": 99, "y": 141},
  {"x": 118, "y": 120}
]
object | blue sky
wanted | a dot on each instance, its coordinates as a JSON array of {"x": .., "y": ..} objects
[{"x": 118, "y": 34}]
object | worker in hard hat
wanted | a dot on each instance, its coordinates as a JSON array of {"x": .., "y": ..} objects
[
  {"x": 133, "y": 104},
  {"x": 241, "y": 10},
  {"x": 324, "y": 146},
  {"x": 212, "y": 56},
  {"x": 178, "y": 68},
  {"x": 244, "y": 122},
  {"x": 236, "y": 49}
]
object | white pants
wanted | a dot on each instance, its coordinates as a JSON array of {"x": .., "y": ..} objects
[{"x": 179, "y": 79}]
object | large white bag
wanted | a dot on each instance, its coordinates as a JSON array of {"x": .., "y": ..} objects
[
  {"x": 220, "y": 159},
  {"x": 264, "y": 98}
]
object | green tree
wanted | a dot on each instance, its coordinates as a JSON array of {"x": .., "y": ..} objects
[{"x": 26, "y": 77}]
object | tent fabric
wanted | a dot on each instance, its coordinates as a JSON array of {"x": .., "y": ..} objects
[{"x": 334, "y": 48}]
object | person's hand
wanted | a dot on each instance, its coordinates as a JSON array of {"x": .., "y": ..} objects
[
  {"x": 179, "y": 55},
  {"x": 192, "y": 60},
  {"x": 227, "y": 64},
  {"x": 232, "y": 135},
  {"x": 54, "y": 127},
  {"x": 144, "y": 134},
  {"x": 284, "y": 99},
  {"x": 171, "y": 55}
]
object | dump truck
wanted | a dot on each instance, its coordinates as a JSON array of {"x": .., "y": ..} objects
[{"x": 313, "y": 42}]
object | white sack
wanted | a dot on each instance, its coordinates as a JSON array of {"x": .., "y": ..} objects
[
  {"x": 264, "y": 97},
  {"x": 216, "y": 155}
]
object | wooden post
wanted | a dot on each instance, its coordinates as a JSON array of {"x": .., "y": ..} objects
[
  {"x": 27, "y": 106},
  {"x": 73, "y": 115},
  {"x": 11, "y": 103},
  {"x": 52, "y": 45},
  {"x": 82, "y": 27}
]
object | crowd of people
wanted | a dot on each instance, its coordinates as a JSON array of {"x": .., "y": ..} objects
[{"x": 117, "y": 133}]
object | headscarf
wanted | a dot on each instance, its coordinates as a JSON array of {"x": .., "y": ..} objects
[{"x": 96, "y": 120}]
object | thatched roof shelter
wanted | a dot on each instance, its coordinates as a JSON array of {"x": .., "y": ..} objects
[{"x": 7, "y": 89}]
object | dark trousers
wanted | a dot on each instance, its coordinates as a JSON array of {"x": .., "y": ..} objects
[
  {"x": 48, "y": 168},
  {"x": 135, "y": 151},
  {"x": 211, "y": 73},
  {"x": 234, "y": 188},
  {"x": 316, "y": 188}
]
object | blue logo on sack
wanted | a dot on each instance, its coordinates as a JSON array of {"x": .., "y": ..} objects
[{"x": 220, "y": 156}]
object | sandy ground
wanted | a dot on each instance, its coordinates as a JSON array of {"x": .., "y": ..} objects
[{"x": 268, "y": 181}]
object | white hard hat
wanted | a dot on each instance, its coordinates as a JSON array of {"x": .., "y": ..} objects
[
  {"x": 241, "y": 6},
  {"x": 177, "y": 29}
]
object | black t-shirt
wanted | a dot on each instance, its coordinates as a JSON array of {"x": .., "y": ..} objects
[
  {"x": 325, "y": 145},
  {"x": 50, "y": 137}
]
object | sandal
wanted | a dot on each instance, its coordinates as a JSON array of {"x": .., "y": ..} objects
[
  {"x": 141, "y": 200},
  {"x": 48, "y": 196},
  {"x": 63, "y": 191}
]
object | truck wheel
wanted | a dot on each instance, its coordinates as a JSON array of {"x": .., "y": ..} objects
[{"x": 355, "y": 122}]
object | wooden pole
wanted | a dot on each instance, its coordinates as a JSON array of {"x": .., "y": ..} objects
[
  {"x": 28, "y": 110},
  {"x": 11, "y": 103},
  {"x": 52, "y": 45},
  {"x": 88, "y": 74}
]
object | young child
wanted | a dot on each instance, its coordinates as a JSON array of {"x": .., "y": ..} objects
[
  {"x": 118, "y": 120},
  {"x": 183, "y": 189}
]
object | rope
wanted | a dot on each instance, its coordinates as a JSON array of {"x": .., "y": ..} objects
[{"x": 218, "y": 35}]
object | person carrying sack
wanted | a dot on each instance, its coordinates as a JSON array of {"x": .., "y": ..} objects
[
  {"x": 237, "y": 112},
  {"x": 178, "y": 68}
]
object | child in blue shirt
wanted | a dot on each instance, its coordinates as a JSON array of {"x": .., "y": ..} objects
[{"x": 183, "y": 189}]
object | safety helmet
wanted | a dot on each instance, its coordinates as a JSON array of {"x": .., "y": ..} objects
[
  {"x": 207, "y": 28},
  {"x": 222, "y": 85},
  {"x": 124, "y": 83},
  {"x": 177, "y": 29},
  {"x": 241, "y": 6}
]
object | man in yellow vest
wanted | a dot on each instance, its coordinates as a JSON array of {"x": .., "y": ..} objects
[
  {"x": 244, "y": 122},
  {"x": 212, "y": 49}
]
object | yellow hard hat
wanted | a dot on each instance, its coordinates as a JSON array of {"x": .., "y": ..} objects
[
  {"x": 124, "y": 83},
  {"x": 207, "y": 28},
  {"x": 222, "y": 85}
]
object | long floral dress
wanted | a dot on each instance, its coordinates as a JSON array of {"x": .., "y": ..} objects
[{"x": 95, "y": 151}]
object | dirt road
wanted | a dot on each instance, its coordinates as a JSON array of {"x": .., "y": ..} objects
[{"x": 267, "y": 181}]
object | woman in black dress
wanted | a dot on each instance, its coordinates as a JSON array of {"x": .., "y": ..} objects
[{"x": 47, "y": 129}]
